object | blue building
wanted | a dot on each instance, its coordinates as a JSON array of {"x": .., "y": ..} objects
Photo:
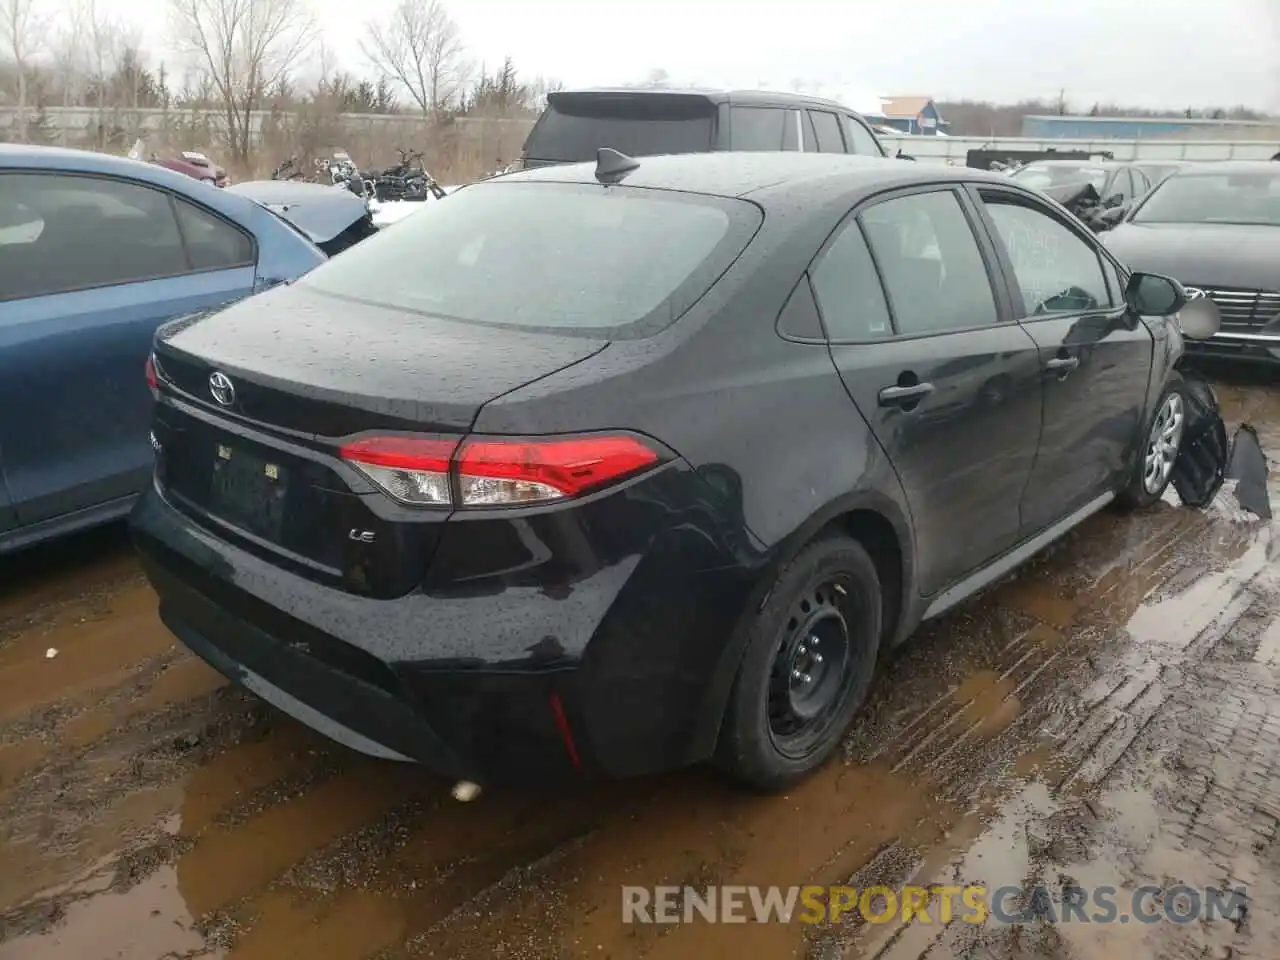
[
  {"x": 912, "y": 115},
  {"x": 1137, "y": 128}
]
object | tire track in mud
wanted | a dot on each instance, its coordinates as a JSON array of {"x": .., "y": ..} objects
[{"x": 268, "y": 851}]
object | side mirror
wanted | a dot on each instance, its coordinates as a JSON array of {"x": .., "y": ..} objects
[
  {"x": 1151, "y": 295},
  {"x": 903, "y": 156}
]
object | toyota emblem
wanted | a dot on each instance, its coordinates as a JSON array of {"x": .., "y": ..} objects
[
  {"x": 222, "y": 388},
  {"x": 1194, "y": 293}
]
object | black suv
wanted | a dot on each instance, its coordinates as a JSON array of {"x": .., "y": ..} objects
[{"x": 649, "y": 122}]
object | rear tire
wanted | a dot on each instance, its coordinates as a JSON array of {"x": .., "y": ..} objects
[
  {"x": 809, "y": 659},
  {"x": 1161, "y": 442}
]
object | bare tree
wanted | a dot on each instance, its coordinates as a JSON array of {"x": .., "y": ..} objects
[
  {"x": 24, "y": 29},
  {"x": 420, "y": 46},
  {"x": 103, "y": 41},
  {"x": 246, "y": 48},
  {"x": 70, "y": 59}
]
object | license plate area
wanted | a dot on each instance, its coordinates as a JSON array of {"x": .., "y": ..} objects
[{"x": 249, "y": 491}]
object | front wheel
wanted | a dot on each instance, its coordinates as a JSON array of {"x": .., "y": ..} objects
[
  {"x": 810, "y": 656},
  {"x": 1161, "y": 443}
]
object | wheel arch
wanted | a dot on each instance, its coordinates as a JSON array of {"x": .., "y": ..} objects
[{"x": 876, "y": 521}]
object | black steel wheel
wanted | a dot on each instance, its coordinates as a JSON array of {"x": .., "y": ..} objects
[
  {"x": 810, "y": 653},
  {"x": 812, "y": 669}
]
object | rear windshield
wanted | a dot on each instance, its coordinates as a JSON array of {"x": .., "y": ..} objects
[
  {"x": 612, "y": 262},
  {"x": 572, "y": 130}
]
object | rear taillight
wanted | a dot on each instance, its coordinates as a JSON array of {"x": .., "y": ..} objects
[
  {"x": 498, "y": 471},
  {"x": 153, "y": 381},
  {"x": 413, "y": 470}
]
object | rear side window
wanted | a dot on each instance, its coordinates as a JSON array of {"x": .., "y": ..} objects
[
  {"x": 933, "y": 268},
  {"x": 572, "y": 129},
  {"x": 826, "y": 128},
  {"x": 212, "y": 243},
  {"x": 66, "y": 232},
  {"x": 579, "y": 259},
  {"x": 759, "y": 128},
  {"x": 848, "y": 289},
  {"x": 861, "y": 139}
]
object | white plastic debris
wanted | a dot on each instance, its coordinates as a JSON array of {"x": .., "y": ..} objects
[
  {"x": 51, "y": 653},
  {"x": 464, "y": 791}
]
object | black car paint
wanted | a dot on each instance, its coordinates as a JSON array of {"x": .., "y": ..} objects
[
  {"x": 1213, "y": 256},
  {"x": 457, "y": 636}
]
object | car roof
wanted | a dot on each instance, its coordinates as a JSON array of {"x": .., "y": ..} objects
[
  {"x": 20, "y": 156},
  {"x": 738, "y": 97},
  {"x": 775, "y": 176}
]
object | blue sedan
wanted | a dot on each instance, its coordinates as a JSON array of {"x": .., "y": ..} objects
[{"x": 96, "y": 252}]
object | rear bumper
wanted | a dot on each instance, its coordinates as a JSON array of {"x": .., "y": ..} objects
[{"x": 614, "y": 679}]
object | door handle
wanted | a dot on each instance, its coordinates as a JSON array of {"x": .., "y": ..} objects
[
  {"x": 1063, "y": 364},
  {"x": 904, "y": 396}
]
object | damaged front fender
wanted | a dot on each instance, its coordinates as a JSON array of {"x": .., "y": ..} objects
[
  {"x": 1201, "y": 466},
  {"x": 1207, "y": 460}
]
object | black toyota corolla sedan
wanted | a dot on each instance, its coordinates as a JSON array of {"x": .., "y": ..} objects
[
  {"x": 607, "y": 469},
  {"x": 1216, "y": 227}
]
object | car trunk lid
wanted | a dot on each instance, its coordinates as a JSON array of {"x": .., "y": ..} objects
[
  {"x": 257, "y": 400},
  {"x": 327, "y": 366}
]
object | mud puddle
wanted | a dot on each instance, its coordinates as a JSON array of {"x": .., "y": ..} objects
[{"x": 1106, "y": 717}]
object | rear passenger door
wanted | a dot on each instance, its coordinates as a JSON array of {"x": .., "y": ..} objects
[
  {"x": 921, "y": 330},
  {"x": 1095, "y": 354},
  {"x": 105, "y": 262}
]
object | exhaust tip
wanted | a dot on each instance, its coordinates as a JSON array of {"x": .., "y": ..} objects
[{"x": 464, "y": 791}]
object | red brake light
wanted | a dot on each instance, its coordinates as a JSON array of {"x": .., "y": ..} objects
[
  {"x": 153, "y": 382},
  {"x": 497, "y": 471},
  {"x": 505, "y": 470}
]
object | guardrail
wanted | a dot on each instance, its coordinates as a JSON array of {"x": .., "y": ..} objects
[{"x": 955, "y": 149}]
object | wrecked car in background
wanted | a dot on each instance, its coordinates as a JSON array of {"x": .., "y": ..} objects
[
  {"x": 1099, "y": 192},
  {"x": 190, "y": 163},
  {"x": 329, "y": 215}
]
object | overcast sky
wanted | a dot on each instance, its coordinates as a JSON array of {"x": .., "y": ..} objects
[{"x": 1160, "y": 53}]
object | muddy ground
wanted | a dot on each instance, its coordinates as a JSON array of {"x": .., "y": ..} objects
[{"x": 1110, "y": 716}]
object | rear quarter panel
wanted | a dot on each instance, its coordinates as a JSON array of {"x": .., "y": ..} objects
[{"x": 765, "y": 420}]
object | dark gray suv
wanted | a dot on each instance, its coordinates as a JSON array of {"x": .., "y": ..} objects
[{"x": 650, "y": 122}]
